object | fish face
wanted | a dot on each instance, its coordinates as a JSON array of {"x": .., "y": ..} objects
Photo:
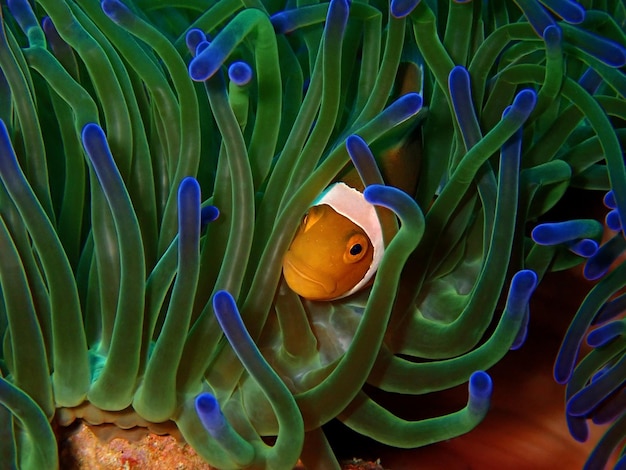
[{"x": 329, "y": 255}]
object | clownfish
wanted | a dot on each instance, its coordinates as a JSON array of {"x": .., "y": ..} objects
[
  {"x": 340, "y": 241},
  {"x": 337, "y": 247}
]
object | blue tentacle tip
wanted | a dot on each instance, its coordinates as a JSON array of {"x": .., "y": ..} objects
[
  {"x": 609, "y": 200},
  {"x": 209, "y": 214},
  {"x": 201, "y": 46},
  {"x": 461, "y": 95},
  {"x": 566, "y": 357},
  {"x": 23, "y": 14},
  {"x": 206, "y": 63},
  {"x": 240, "y": 73},
  {"x": 613, "y": 221},
  {"x": 585, "y": 248},
  {"x": 522, "y": 286},
  {"x": 552, "y": 36},
  {"x": 338, "y": 12},
  {"x": 537, "y": 16},
  {"x": 223, "y": 302},
  {"x": 193, "y": 37},
  {"x": 381, "y": 195},
  {"x": 458, "y": 77},
  {"x": 227, "y": 314},
  {"x": 605, "y": 50},
  {"x": 404, "y": 107},
  {"x": 392, "y": 198},
  {"x": 577, "y": 427},
  {"x": 356, "y": 146},
  {"x": 599, "y": 264},
  {"x": 363, "y": 160},
  {"x": 605, "y": 334},
  {"x": 97, "y": 149},
  {"x": 189, "y": 192},
  {"x": 402, "y": 8},
  {"x": 523, "y": 104},
  {"x": 281, "y": 22},
  {"x": 480, "y": 391},
  {"x": 560, "y": 232},
  {"x": 359, "y": 151},
  {"x": 93, "y": 138},
  {"x": 611, "y": 309},
  {"x": 570, "y": 11},
  {"x": 209, "y": 413},
  {"x": 117, "y": 11},
  {"x": 50, "y": 31},
  {"x": 584, "y": 401},
  {"x": 599, "y": 391}
]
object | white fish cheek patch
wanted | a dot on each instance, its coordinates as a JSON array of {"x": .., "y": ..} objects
[{"x": 351, "y": 204}]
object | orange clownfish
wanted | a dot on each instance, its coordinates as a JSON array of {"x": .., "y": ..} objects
[{"x": 337, "y": 247}]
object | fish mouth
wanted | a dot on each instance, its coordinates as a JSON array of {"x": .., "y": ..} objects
[{"x": 293, "y": 266}]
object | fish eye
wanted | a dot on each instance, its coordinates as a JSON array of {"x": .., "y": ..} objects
[{"x": 356, "y": 248}]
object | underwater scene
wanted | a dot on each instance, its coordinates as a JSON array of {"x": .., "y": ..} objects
[{"x": 241, "y": 221}]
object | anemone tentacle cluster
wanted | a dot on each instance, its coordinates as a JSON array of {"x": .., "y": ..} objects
[{"x": 157, "y": 157}]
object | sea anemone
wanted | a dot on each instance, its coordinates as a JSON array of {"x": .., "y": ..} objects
[{"x": 156, "y": 159}]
